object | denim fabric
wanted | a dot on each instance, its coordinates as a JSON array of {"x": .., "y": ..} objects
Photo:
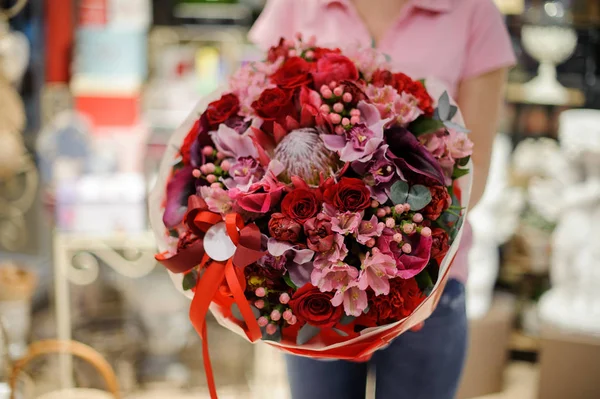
[{"x": 417, "y": 365}]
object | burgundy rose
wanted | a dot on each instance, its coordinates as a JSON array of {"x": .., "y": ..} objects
[
  {"x": 301, "y": 204},
  {"x": 383, "y": 77},
  {"x": 440, "y": 201},
  {"x": 276, "y": 52},
  {"x": 349, "y": 195},
  {"x": 221, "y": 110},
  {"x": 314, "y": 307},
  {"x": 440, "y": 244},
  {"x": 319, "y": 235},
  {"x": 273, "y": 104},
  {"x": 295, "y": 72},
  {"x": 334, "y": 67},
  {"x": 403, "y": 299},
  {"x": 283, "y": 228}
]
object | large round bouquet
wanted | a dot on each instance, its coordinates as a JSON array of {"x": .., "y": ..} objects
[{"x": 317, "y": 203}]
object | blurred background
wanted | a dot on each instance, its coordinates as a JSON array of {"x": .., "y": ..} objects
[{"x": 90, "y": 91}]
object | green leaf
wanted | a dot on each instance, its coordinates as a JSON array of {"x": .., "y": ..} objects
[
  {"x": 423, "y": 126},
  {"x": 174, "y": 233},
  {"x": 418, "y": 197},
  {"x": 456, "y": 126},
  {"x": 424, "y": 280},
  {"x": 464, "y": 161},
  {"x": 347, "y": 319},
  {"x": 399, "y": 192},
  {"x": 340, "y": 332},
  {"x": 289, "y": 282},
  {"x": 444, "y": 106},
  {"x": 306, "y": 333},
  {"x": 189, "y": 280},
  {"x": 422, "y": 81},
  {"x": 458, "y": 173}
]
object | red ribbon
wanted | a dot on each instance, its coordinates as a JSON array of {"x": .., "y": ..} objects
[{"x": 222, "y": 282}]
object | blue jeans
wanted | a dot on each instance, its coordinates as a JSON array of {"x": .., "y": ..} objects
[{"x": 417, "y": 365}]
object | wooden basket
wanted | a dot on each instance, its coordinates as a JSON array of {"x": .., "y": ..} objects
[{"x": 42, "y": 348}]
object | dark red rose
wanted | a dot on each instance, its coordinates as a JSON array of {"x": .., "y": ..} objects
[
  {"x": 275, "y": 52},
  {"x": 262, "y": 276},
  {"x": 283, "y": 228},
  {"x": 355, "y": 90},
  {"x": 334, "y": 67},
  {"x": 273, "y": 104},
  {"x": 440, "y": 201},
  {"x": 188, "y": 142},
  {"x": 319, "y": 52},
  {"x": 314, "y": 307},
  {"x": 301, "y": 204},
  {"x": 349, "y": 195},
  {"x": 383, "y": 77},
  {"x": 440, "y": 245},
  {"x": 221, "y": 110},
  {"x": 403, "y": 299},
  {"x": 319, "y": 235},
  {"x": 295, "y": 72}
]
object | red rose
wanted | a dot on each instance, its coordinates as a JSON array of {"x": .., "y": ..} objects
[
  {"x": 403, "y": 299},
  {"x": 189, "y": 140},
  {"x": 283, "y": 228},
  {"x": 440, "y": 201},
  {"x": 440, "y": 245},
  {"x": 275, "y": 52},
  {"x": 349, "y": 195},
  {"x": 319, "y": 235},
  {"x": 219, "y": 111},
  {"x": 273, "y": 104},
  {"x": 334, "y": 67},
  {"x": 314, "y": 307},
  {"x": 382, "y": 77},
  {"x": 301, "y": 204},
  {"x": 404, "y": 83},
  {"x": 295, "y": 72}
]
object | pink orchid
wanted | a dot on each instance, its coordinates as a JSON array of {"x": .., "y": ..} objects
[
  {"x": 289, "y": 257},
  {"x": 232, "y": 144},
  {"x": 375, "y": 272},
  {"x": 346, "y": 223},
  {"x": 333, "y": 277},
  {"x": 336, "y": 254},
  {"x": 408, "y": 265},
  {"x": 216, "y": 199},
  {"x": 406, "y": 109},
  {"x": 353, "y": 298},
  {"x": 262, "y": 195},
  {"x": 382, "y": 98},
  {"x": 280, "y": 248},
  {"x": 369, "y": 229},
  {"x": 362, "y": 140}
]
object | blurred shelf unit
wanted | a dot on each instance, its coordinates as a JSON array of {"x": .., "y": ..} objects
[{"x": 213, "y": 14}]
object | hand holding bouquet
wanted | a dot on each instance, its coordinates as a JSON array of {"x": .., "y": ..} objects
[{"x": 317, "y": 204}]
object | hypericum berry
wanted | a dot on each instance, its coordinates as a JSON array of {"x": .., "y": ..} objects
[
  {"x": 262, "y": 321},
  {"x": 309, "y": 55},
  {"x": 196, "y": 173},
  {"x": 347, "y": 97},
  {"x": 211, "y": 178},
  {"x": 355, "y": 120},
  {"x": 210, "y": 168},
  {"x": 292, "y": 321},
  {"x": 284, "y": 298},
  {"x": 271, "y": 329},
  {"x": 325, "y": 108},
  {"x": 292, "y": 53},
  {"x": 332, "y": 85},
  {"x": 339, "y": 130},
  {"x": 275, "y": 315},
  {"x": 207, "y": 151},
  {"x": 354, "y": 112},
  {"x": 345, "y": 121},
  {"x": 338, "y": 107},
  {"x": 426, "y": 232},
  {"x": 370, "y": 242},
  {"x": 374, "y": 204},
  {"x": 216, "y": 185},
  {"x": 390, "y": 222},
  {"x": 335, "y": 118},
  {"x": 225, "y": 165},
  {"x": 399, "y": 208},
  {"x": 260, "y": 292},
  {"x": 406, "y": 207},
  {"x": 388, "y": 210},
  {"x": 380, "y": 213},
  {"x": 204, "y": 170},
  {"x": 406, "y": 248},
  {"x": 397, "y": 237},
  {"x": 338, "y": 91},
  {"x": 408, "y": 228},
  {"x": 259, "y": 304},
  {"x": 221, "y": 156},
  {"x": 417, "y": 218},
  {"x": 287, "y": 315}
]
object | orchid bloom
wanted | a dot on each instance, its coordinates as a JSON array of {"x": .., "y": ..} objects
[
  {"x": 375, "y": 272},
  {"x": 346, "y": 223},
  {"x": 360, "y": 141},
  {"x": 353, "y": 298},
  {"x": 336, "y": 254},
  {"x": 369, "y": 229},
  {"x": 232, "y": 144},
  {"x": 380, "y": 173},
  {"x": 216, "y": 199},
  {"x": 297, "y": 261},
  {"x": 261, "y": 196},
  {"x": 333, "y": 277}
]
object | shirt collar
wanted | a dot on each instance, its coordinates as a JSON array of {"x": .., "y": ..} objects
[{"x": 440, "y": 6}]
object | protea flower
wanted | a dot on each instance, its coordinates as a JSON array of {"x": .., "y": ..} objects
[{"x": 303, "y": 154}]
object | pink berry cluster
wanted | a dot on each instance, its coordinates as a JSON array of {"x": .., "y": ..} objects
[
  {"x": 215, "y": 168},
  {"x": 402, "y": 221},
  {"x": 273, "y": 315},
  {"x": 338, "y": 108}
]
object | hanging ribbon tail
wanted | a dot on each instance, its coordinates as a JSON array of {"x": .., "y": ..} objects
[
  {"x": 249, "y": 247},
  {"x": 253, "y": 331},
  {"x": 184, "y": 260},
  {"x": 210, "y": 377}
]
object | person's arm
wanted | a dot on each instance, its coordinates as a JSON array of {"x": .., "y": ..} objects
[{"x": 480, "y": 99}]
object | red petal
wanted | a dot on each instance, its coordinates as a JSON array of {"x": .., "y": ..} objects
[{"x": 278, "y": 132}]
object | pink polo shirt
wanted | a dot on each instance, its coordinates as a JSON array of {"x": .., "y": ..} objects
[{"x": 450, "y": 40}]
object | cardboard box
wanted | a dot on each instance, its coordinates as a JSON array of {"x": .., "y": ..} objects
[
  {"x": 487, "y": 355},
  {"x": 569, "y": 366}
]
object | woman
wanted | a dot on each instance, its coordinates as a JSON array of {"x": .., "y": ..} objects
[{"x": 464, "y": 43}]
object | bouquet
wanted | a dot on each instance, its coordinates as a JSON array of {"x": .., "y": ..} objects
[{"x": 316, "y": 203}]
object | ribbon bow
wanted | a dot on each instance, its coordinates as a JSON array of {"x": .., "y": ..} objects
[{"x": 223, "y": 281}]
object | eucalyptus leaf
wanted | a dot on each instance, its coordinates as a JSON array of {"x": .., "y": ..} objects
[
  {"x": 399, "y": 192},
  {"x": 340, "y": 332},
  {"x": 444, "y": 106},
  {"x": 366, "y": 310},
  {"x": 423, "y": 126},
  {"x": 235, "y": 311},
  {"x": 453, "y": 111},
  {"x": 456, "y": 126},
  {"x": 189, "y": 280},
  {"x": 347, "y": 320},
  {"x": 418, "y": 197},
  {"x": 306, "y": 333}
]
